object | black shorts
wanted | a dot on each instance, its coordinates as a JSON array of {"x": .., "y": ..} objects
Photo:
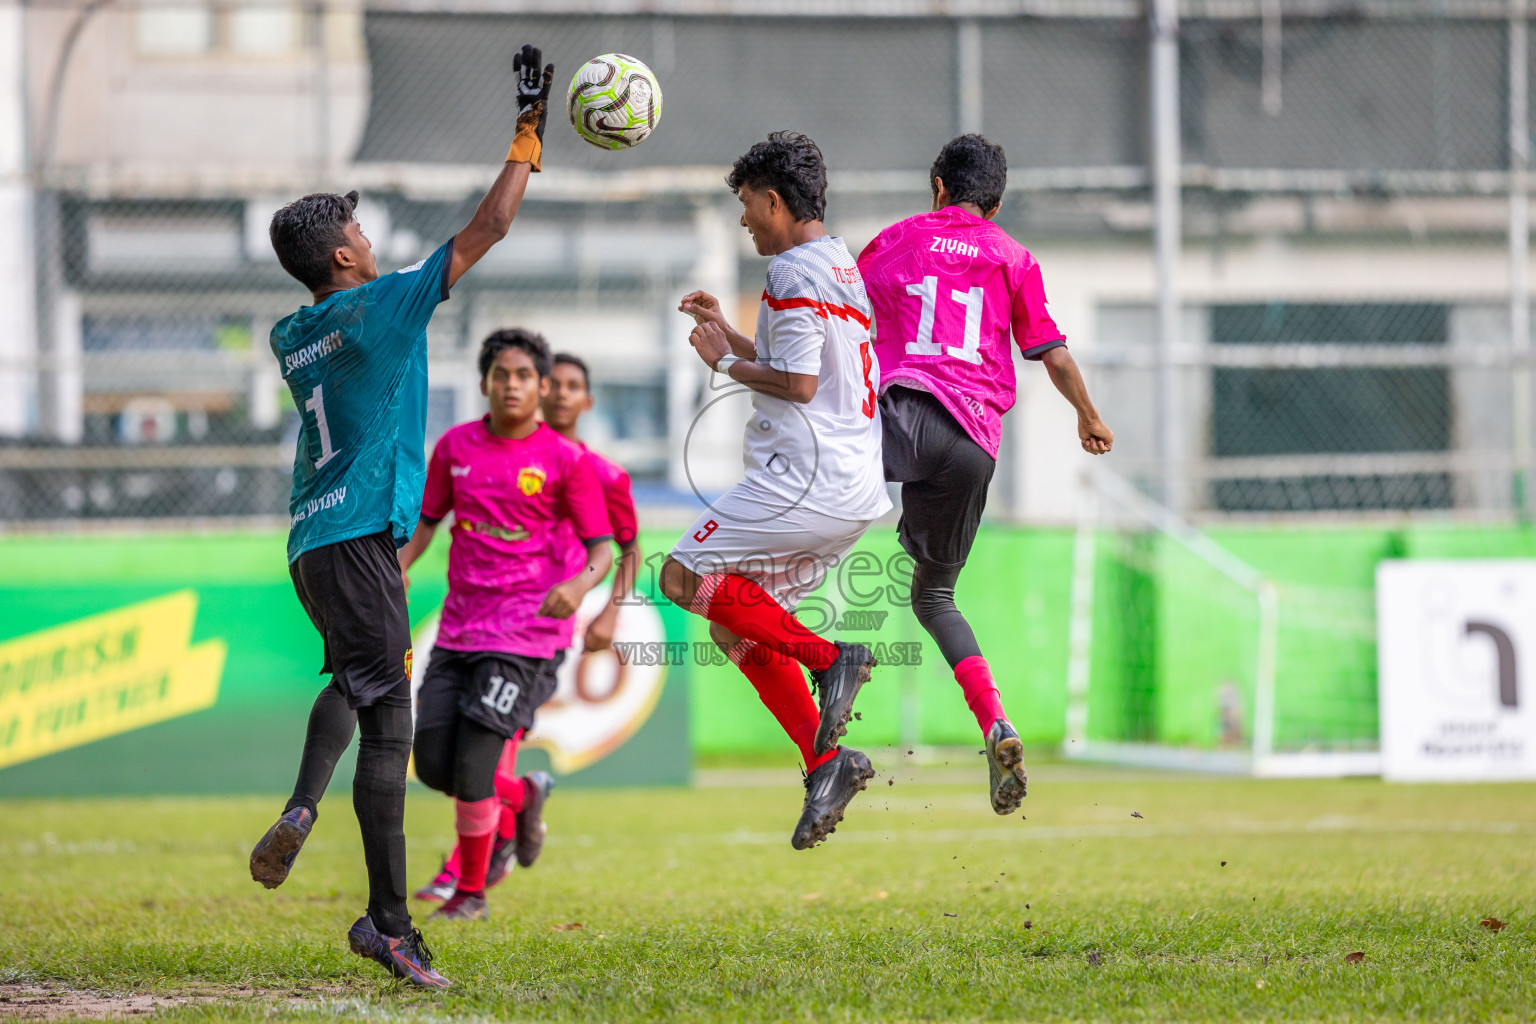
[
  {"x": 354, "y": 596},
  {"x": 499, "y": 691},
  {"x": 944, "y": 476}
]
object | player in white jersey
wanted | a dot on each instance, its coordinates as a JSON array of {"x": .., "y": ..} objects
[{"x": 814, "y": 479}]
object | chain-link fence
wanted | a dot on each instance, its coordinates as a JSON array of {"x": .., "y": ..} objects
[{"x": 1348, "y": 343}]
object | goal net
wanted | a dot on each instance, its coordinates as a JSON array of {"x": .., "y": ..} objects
[{"x": 1183, "y": 654}]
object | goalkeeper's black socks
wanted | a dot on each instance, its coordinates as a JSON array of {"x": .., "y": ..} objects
[{"x": 378, "y": 797}]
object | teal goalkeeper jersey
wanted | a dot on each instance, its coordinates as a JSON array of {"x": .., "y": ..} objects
[{"x": 356, "y": 363}]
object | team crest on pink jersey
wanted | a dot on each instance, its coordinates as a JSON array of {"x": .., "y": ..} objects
[{"x": 530, "y": 480}]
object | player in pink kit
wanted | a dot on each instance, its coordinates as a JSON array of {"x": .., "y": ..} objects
[
  {"x": 570, "y": 395},
  {"x": 948, "y": 287},
  {"x": 521, "y": 830},
  {"x": 510, "y": 482}
]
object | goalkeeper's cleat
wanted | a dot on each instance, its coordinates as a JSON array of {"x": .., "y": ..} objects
[
  {"x": 462, "y": 906},
  {"x": 828, "y": 790},
  {"x": 273, "y": 856},
  {"x": 836, "y": 687},
  {"x": 530, "y": 820},
  {"x": 442, "y": 885},
  {"x": 1005, "y": 761},
  {"x": 407, "y": 958}
]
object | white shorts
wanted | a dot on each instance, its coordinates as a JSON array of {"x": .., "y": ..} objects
[{"x": 752, "y": 532}]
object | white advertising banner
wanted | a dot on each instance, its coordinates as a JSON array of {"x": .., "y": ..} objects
[{"x": 1456, "y": 640}]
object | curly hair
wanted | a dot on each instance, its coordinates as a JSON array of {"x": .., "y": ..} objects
[
  {"x": 791, "y": 165},
  {"x": 519, "y": 338},
  {"x": 567, "y": 359},
  {"x": 974, "y": 171},
  {"x": 307, "y": 231}
]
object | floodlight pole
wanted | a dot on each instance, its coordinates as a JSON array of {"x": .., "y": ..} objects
[
  {"x": 1167, "y": 240},
  {"x": 1519, "y": 255}
]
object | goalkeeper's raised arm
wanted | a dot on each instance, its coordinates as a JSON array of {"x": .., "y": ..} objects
[{"x": 494, "y": 216}]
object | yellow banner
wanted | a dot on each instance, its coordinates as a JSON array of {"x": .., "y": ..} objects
[{"x": 104, "y": 675}]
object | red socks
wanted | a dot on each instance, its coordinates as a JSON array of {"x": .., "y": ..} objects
[
  {"x": 782, "y": 689},
  {"x": 476, "y": 823},
  {"x": 981, "y": 696},
  {"x": 509, "y": 788},
  {"x": 745, "y": 609}
]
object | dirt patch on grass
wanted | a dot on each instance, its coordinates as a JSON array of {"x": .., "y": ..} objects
[
  {"x": 42, "y": 1002},
  {"x": 49, "y": 1002}
]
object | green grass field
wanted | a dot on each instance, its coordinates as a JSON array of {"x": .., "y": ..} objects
[{"x": 924, "y": 905}]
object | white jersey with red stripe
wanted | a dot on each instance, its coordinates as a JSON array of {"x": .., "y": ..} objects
[{"x": 814, "y": 319}]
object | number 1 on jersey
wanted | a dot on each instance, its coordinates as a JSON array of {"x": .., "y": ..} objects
[
  {"x": 316, "y": 405},
  {"x": 928, "y": 292}
]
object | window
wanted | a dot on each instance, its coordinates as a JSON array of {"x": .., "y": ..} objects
[
  {"x": 632, "y": 411},
  {"x": 174, "y": 30},
  {"x": 263, "y": 30},
  {"x": 255, "y": 28},
  {"x": 1282, "y": 423}
]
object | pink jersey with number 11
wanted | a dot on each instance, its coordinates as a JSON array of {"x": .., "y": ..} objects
[{"x": 947, "y": 288}]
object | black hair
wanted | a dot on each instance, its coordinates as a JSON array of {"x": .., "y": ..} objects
[
  {"x": 566, "y": 359},
  {"x": 527, "y": 341},
  {"x": 791, "y": 165},
  {"x": 307, "y": 231},
  {"x": 974, "y": 171}
]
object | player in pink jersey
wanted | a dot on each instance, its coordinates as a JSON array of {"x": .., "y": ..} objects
[
  {"x": 510, "y": 482},
  {"x": 522, "y": 799},
  {"x": 948, "y": 287},
  {"x": 570, "y": 395}
]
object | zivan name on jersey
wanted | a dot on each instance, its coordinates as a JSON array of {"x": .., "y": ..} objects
[
  {"x": 954, "y": 245},
  {"x": 309, "y": 353},
  {"x": 330, "y": 499}
]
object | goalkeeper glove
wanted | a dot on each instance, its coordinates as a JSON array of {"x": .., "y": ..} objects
[{"x": 532, "y": 106}]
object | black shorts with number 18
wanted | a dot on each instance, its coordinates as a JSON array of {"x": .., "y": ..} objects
[{"x": 499, "y": 691}]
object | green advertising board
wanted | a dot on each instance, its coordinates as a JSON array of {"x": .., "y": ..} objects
[
  {"x": 165, "y": 663},
  {"x": 160, "y": 663}
]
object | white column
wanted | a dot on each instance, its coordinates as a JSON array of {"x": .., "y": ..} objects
[
  {"x": 18, "y": 294},
  {"x": 706, "y": 412},
  {"x": 65, "y": 381},
  {"x": 968, "y": 76},
  {"x": 263, "y": 399},
  {"x": 1274, "y": 54},
  {"x": 1168, "y": 241},
  {"x": 1519, "y": 254}
]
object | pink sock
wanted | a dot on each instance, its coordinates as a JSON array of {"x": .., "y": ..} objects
[
  {"x": 509, "y": 788},
  {"x": 452, "y": 867},
  {"x": 509, "y": 793},
  {"x": 476, "y": 824},
  {"x": 981, "y": 696}
]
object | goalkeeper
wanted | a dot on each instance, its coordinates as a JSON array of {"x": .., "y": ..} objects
[{"x": 356, "y": 363}]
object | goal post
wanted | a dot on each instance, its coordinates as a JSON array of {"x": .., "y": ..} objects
[{"x": 1175, "y": 654}]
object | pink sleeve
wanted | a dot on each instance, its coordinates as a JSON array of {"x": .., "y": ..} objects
[
  {"x": 1033, "y": 329},
  {"x": 438, "y": 499},
  {"x": 621, "y": 508},
  {"x": 584, "y": 505},
  {"x": 870, "y": 249}
]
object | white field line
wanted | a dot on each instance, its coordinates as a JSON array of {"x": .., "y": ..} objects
[
  {"x": 49, "y": 846},
  {"x": 1336, "y": 824}
]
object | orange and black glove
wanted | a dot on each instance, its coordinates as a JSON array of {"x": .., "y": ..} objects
[{"x": 532, "y": 106}]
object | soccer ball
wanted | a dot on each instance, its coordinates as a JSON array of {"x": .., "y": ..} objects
[{"x": 614, "y": 101}]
